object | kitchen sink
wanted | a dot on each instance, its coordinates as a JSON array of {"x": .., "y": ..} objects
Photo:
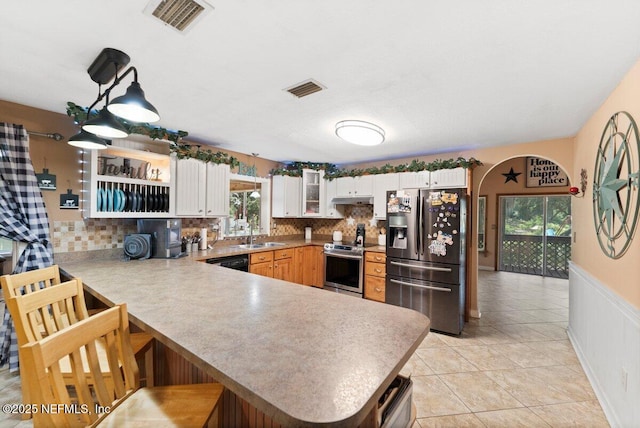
[
  {"x": 259, "y": 245},
  {"x": 250, "y": 246}
]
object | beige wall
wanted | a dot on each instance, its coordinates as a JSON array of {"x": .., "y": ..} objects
[
  {"x": 493, "y": 186},
  {"x": 621, "y": 275},
  {"x": 62, "y": 160}
]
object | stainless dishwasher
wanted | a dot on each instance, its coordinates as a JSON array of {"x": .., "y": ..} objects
[{"x": 240, "y": 262}]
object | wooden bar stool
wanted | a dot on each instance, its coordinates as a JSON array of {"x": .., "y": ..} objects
[
  {"x": 124, "y": 404},
  {"x": 35, "y": 281}
]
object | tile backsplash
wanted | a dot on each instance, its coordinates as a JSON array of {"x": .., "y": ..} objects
[
  {"x": 90, "y": 234},
  {"x": 353, "y": 214},
  {"x": 106, "y": 233}
]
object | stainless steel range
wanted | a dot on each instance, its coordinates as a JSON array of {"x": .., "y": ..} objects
[{"x": 344, "y": 266}]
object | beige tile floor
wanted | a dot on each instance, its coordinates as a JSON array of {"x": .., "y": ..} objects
[{"x": 513, "y": 367}]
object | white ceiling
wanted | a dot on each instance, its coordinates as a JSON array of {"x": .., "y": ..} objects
[{"x": 438, "y": 76}]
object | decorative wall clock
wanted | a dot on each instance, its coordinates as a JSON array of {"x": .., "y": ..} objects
[{"x": 615, "y": 187}]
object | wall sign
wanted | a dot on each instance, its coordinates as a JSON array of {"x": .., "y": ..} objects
[
  {"x": 545, "y": 173},
  {"x": 115, "y": 166},
  {"x": 69, "y": 201},
  {"x": 46, "y": 181}
]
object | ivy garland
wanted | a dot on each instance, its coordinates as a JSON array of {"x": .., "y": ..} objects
[
  {"x": 185, "y": 151},
  {"x": 80, "y": 115},
  {"x": 294, "y": 169}
]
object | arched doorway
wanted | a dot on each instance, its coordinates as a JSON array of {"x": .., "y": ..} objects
[{"x": 527, "y": 222}]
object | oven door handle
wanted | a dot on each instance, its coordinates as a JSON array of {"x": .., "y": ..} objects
[
  {"x": 343, "y": 256},
  {"x": 427, "y": 287},
  {"x": 438, "y": 269}
]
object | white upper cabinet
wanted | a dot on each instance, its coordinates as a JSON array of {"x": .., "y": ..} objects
[
  {"x": 313, "y": 193},
  {"x": 217, "y": 190},
  {"x": 332, "y": 210},
  {"x": 355, "y": 186},
  {"x": 449, "y": 178},
  {"x": 414, "y": 180},
  {"x": 190, "y": 187},
  {"x": 286, "y": 196},
  {"x": 381, "y": 184},
  {"x": 201, "y": 189}
]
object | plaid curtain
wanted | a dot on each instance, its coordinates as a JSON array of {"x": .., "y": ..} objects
[{"x": 23, "y": 218}]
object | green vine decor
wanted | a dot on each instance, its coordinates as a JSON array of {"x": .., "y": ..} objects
[
  {"x": 294, "y": 169},
  {"x": 79, "y": 115},
  {"x": 185, "y": 151}
]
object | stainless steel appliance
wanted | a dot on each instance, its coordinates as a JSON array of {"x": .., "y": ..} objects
[
  {"x": 344, "y": 266},
  {"x": 426, "y": 254},
  {"x": 165, "y": 236}
]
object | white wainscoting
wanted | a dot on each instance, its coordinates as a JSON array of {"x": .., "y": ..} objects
[{"x": 605, "y": 332}]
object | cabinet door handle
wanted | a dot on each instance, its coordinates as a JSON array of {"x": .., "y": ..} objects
[
  {"x": 378, "y": 289},
  {"x": 378, "y": 270},
  {"x": 261, "y": 258},
  {"x": 378, "y": 258}
]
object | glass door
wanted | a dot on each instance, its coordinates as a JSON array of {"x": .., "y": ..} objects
[
  {"x": 535, "y": 235},
  {"x": 312, "y": 181}
]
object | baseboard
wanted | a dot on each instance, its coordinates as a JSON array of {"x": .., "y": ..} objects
[
  {"x": 490, "y": 268},
  {"x": 474, "y": 313},
  {"x": 604, "y": 331}
]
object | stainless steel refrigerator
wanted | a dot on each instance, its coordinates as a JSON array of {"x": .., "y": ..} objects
[{"x": 426, "y": 251}]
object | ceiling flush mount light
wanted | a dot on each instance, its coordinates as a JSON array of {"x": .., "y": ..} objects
[
  {"x": 360, "y": 132},
  {"x": 131, "y": 107}
]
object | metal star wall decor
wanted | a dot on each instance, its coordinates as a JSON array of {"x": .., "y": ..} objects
[
  {"x": 616, "y": 202},
  {"x": 511, "y": 176}
]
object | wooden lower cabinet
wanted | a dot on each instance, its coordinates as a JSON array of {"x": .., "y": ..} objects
[
  {"x": 313, "y": 266},
  {"x": 302, "y": 265},
  {"x": 375, "y": 273},
  {"x": 261, "y": 263},
  {"x": 298, "y": 264},
  {"x": 283, "y": 267}
]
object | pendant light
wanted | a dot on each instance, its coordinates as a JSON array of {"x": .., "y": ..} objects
[
  {"x": 255, "y": 194},
  {"x": 132, "y": 106},
  {"x": 87, "y": 140},
  {"x": 105, "y": 125}
]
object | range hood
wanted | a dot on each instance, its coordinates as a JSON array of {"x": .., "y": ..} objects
[{"x": 353, "y": 200}]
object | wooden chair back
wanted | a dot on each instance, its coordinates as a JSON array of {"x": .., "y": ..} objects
[
  {"x": 30, "y": 281},
  {"x": 87, "y": 403},
  {"x": 42, "y": 312}
]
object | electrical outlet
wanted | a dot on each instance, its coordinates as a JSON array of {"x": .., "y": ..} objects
[{"x": 623, "y": 378}]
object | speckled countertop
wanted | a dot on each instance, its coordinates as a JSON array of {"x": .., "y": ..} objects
[{"x": 305, "y": 356}]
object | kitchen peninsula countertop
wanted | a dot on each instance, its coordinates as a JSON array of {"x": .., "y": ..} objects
[{"x": 302, "y": 355}]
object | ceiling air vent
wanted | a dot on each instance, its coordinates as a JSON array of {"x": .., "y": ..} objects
[
  {"x": 178, "y": 14},
  {"x": 305, "y": 88}
]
